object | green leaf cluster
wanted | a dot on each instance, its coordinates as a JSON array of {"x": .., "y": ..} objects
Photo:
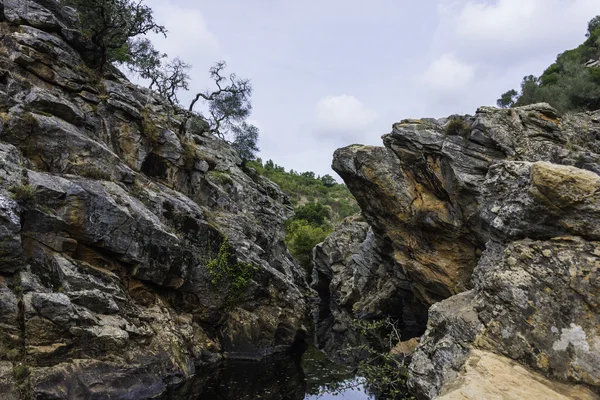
[
  {"x": 225, "y": 273},
  {"x": 113, "y": 25}
]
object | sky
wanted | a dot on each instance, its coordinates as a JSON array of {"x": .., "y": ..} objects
[{"x": 330, "y": 73}]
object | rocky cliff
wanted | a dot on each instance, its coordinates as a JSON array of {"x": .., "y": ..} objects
[
  {"x": 131, "y": 256},
  {"x": 492, "y": 220}
]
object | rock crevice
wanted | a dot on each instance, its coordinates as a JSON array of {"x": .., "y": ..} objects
[
  {"x": 120, "y": 239},
  {"x": 491, "y": 220}
]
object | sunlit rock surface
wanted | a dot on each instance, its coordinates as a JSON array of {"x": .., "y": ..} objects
[{"x": 492, "y": 220}]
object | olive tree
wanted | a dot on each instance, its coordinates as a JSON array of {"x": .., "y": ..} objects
[
  {"x": 227, "y": 108},
  {"x": 112, "y": 25},
  {"x": 508, "y": 99}
]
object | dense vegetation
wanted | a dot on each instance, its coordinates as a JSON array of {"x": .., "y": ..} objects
[
  {"x": 570, "y": 84},
  {"x": 320, "y": 204}
]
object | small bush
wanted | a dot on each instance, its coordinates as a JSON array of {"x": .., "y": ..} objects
[
  {"x": 29, "y": 119},
  {"x": 149, "y": 127},
  {"x": 221, "y": 177},
  {"x": 189, "y": 155},
  {"x": 457, "y": 127},
  {"x": 222, "y": 272},
  {"x": 23, "y": 193}
]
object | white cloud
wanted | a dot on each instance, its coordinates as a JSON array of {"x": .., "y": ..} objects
[
  {"x": 343, "y": 116},
  {"x": 514, "y": 28},
  {"x": 447, "y": 74},
  {"x": 187, "y": 33}
]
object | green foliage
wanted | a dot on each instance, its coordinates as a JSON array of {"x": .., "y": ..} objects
[
  {"x": 457, "y": 126},
  {"x": 224, "y": 273},
  {"x": 29, "y": 119},
  {"x": 302, "y": 237},
  {"x": 189, "y": 154},
  {"x": 221, "y": 177},
  {"x": 23, "y": 193},
  {"x": 113, "y": 25},
  {"x": 328, "y": 180},
  {"x": 245, "y": 138},
  {"x": 567, "y": 84},
  {"x": 319, "y": 203},
  {"x": 304, "y": 188},
  {"x": 149, "y": 127},
  {"x": 227, "y": 109},
  {"x": 593, "y": 25},
  {"x": 508, "y": 99},
  {"x": 313, "y": 213}
]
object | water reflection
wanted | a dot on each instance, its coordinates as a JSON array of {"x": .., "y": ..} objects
[
  {"x": 326, "y": 380},
  {"x": 309, "y": 377}
]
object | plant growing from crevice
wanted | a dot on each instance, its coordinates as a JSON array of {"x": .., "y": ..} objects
[
  {"x": 23, "y": 193},
  {"x": 189, "y": 154},
  {"x": 93, "y": 172},
  {"x": 226, "y": 273},
  {"x": 221, "y": 177},
  {"x": 149, "y": 127},
  {"x": 457, "y": 127}
]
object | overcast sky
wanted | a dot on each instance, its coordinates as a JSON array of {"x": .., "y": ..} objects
[{"x": 330, "y": 73}]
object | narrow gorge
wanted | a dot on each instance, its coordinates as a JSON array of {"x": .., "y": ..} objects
[{"x": 138, "y": 251}]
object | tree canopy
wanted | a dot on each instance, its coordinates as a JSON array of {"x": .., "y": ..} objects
[
  {"x": 117, "y": 29},
  {"x": 114, "y": 26}
]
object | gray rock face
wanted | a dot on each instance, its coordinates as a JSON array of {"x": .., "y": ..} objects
[
  {"x": 355, "y": 282},
  {"x": 109, "y": 221},
  {"x": 497, "y": 214}
]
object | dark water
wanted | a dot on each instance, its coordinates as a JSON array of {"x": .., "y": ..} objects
[{"x": 288, "y": 377}]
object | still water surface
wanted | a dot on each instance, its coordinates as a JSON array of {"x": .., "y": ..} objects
[{"x": 309, "y": 377}]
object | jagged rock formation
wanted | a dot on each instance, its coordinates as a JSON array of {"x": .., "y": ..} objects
[
  {"x": 354, "y": 281},
  {"x": 497, "y": 213},
  {"x": 130, "y": 255}
]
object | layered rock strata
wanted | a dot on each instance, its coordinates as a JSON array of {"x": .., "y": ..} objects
[
  {"x": 131, "y": 255},
  {"x": 496, "y": 214}
]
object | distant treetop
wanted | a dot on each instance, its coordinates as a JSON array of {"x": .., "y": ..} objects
[{"x": 571, "y": 83}]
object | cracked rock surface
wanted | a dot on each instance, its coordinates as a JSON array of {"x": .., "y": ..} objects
[
  {"x": 109, "y": 219},
  {"x": 492, "y": 222}
]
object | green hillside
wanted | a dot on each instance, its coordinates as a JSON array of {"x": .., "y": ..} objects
[
  {"x": 572, "y": 83},
  {"x": 320, "y": 204}
]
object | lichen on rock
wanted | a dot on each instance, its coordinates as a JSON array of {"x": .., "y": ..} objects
[
  {"x": 110, "y": 218},
  {"x": 494, "y": 229}
]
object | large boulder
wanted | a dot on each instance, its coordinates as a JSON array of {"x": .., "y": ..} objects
[{"x": 493, "y": 221}]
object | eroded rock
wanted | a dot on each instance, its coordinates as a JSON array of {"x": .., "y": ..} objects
[{"x": 109, "y": 218}]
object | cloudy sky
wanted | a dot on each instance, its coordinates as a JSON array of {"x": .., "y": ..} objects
[{"x": 330, "y": 73}]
